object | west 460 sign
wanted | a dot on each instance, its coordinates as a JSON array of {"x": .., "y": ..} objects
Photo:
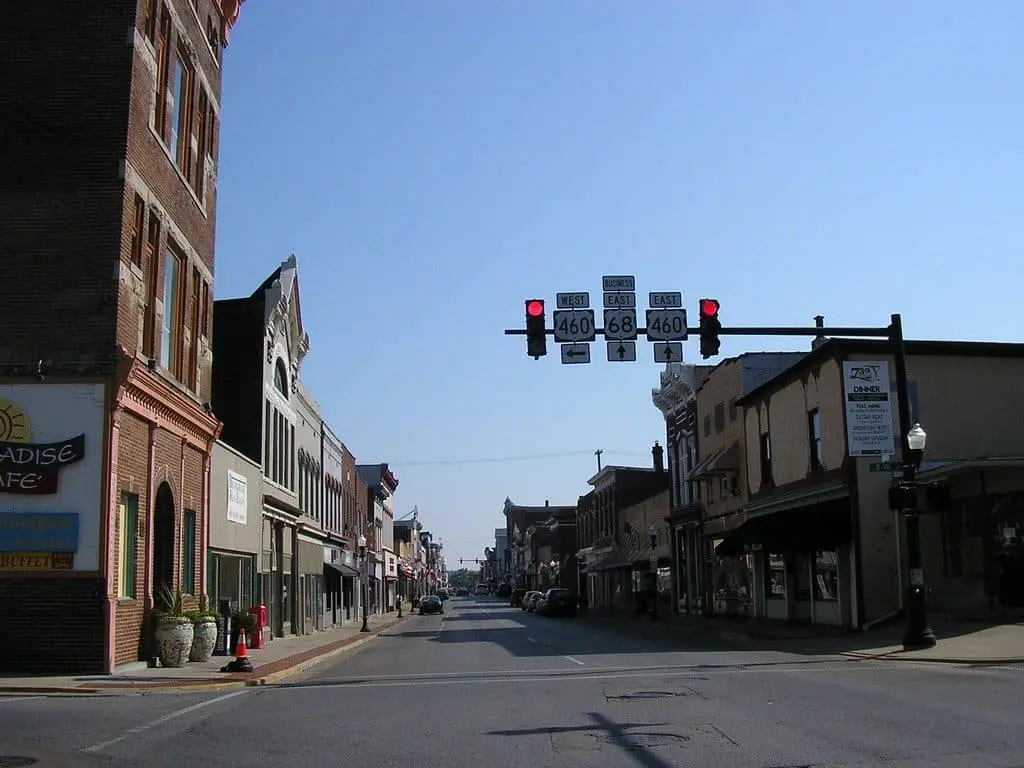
[{"x": 574, "y": 326}]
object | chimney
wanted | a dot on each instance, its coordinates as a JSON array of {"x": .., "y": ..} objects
[
  {"x": 658, "y": 453},
  {"x": 817, "y": 341}
]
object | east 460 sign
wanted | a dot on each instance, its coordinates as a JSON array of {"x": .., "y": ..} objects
[{"x": 572, "y": 326}]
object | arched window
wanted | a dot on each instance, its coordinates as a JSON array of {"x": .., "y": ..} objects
[{"x": 281, "y": 378}]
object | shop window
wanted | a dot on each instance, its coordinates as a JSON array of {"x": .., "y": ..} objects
[
  {"x": 128, "y": 530},
  {"x": 814, "y": 440},
  {"x": 775, "y": 583},
  {"x": 234, "y": 581},
  {"x": 826, "y": 576},
  {"x": 766, "y": 460},
  {"x": 802, "y": 578},
  {"x": 720, "y": 417},
  {"x": 188, "y": 553}
]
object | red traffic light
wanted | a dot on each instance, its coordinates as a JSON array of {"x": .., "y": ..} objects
[
  {"x": 709, "y": 307},
  {"x": 535, "y": 308}
]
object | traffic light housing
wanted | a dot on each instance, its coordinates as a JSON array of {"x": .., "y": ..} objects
[
  {"x": 710, "y": 326},
  {"x": 536, "y": 320}
]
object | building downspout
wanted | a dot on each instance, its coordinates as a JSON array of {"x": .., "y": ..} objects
[
  {"x": 204, "y": 536},
  {"x": 110, "y": 497}
]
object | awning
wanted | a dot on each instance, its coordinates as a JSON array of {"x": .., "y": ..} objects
[
  {"x": 344, "y": 570},
  {"x": 810, "y": 528},
  {"x": 726, "y": 460}
]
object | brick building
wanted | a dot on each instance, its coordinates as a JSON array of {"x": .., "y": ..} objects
[{"x": 107, "y": 211}]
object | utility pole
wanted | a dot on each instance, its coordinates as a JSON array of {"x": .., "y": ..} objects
[{"x": 598, "y": 453}]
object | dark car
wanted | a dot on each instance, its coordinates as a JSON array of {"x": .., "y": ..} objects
[
  {"x": 517, "y": 597},
  {"x": 462, "y": 592},
  {"x": 431, "y": 604},
  {"x": 559, "y": 602}
]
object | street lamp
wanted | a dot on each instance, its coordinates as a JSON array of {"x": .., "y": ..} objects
[
  {"x": 361, "y": 543},
  {"x": 918, "y": 633}
]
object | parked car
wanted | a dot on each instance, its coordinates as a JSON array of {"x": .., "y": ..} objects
[
  {"x": 530, "y": 600},
  {"x": 504, "y": 591},
  {"x": 462, "y": 592},
  {"x": 431, "y": 604},
  {"x": 557, "y": 602},
  {"x": 517, "y": 597}
]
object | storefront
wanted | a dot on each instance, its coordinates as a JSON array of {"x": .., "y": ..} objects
[
  {"x": 236, "y": 493},
  {"x": 278, "y": 578},
  {"x": 390, "y": 580},
  {"x": 341, "y": 581},
  {"x": 53, "y": 553}
]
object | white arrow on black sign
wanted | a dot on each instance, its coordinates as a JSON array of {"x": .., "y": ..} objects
[
  {"x": 668, "y": 352},
  {"x": 622, "y": 351}
]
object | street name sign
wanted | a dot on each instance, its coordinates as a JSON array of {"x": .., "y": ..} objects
[
  {"x": 574, "y": 354},
  {"x": 625, "y": 283},
  {"x": 620, "y": 324},
  {"x": 572, "y": 300},
  {"x": 668, "y": 352},
  {"x": 620, "y": 301},
  {"x": 574, "y": 326},
  {"x": 670, "y": 300},
  {"x": 622, "y": 351},
  {"x": 666, "y": 324}
]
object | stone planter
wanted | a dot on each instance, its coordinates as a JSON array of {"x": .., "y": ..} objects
[
  {"x": 204, "y": 640},
  {"x": 173, "y": 640}
]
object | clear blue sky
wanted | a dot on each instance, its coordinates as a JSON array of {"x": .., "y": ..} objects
[{"x": 433, "y": 164}]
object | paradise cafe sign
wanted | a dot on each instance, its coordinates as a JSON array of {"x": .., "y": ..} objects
[{"x": 33, "y": 468}]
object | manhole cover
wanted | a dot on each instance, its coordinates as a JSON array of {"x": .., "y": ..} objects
[
  {"x": 14, "y": 761},
  {"x": 644, "y": 695}
]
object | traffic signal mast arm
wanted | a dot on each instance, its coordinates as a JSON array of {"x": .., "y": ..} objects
[{"x": 852, "y": 332}]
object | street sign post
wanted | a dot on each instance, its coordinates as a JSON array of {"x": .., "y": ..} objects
[
  {"x": 620, "y": 324},
  {"x": 668, "y": 352},
  {"x": 574, "y": 354},
  {"x": 622, "y": 351},
  {"x": 574, "y": 326},
  {"x": 572, "y": 300},
  {"x": 666, "y": 324}
]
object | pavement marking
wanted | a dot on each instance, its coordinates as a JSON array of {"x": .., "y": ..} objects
[
  {"x": 561, "y": 677},
  {"x": 8, "y": 699},
  {"x": 574, "y": 661},
  {"x": 160, "y": 721}
]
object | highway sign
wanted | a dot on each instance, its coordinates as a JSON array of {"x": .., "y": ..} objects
[
  {"x": 671, "y": 300},
  {"x": 622, "y": 351},
  {"x": 573, "y": 354},
  {"x": 573, "y": 300},
  {"x": 620, "y": 300},
  {"x": 666, "y": 324},
  {"x": 620, "y": 324},
  {"x": 667, "y": 352},
  {"x": 625, "y": 283},
  {"x": 573, "y": 326}
]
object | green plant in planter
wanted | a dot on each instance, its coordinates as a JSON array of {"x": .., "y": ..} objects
[
  {"x": 204, "y": 614},
  {"x": 204, "y": 640},
  {"x": 174, "y": 630},
  {"x": 170, "y": 604}
]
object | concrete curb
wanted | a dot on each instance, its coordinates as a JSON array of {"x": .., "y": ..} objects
[
  {"x": 963, "y": 660},
  {"x": 211, "y": 684}
]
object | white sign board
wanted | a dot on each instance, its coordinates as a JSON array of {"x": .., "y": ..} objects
[
  {"x": 572, "y": 300},
  {"x": 666, "y": 324},
  {"x": 573, "y": 326},
  {"x": 573, "y": 354},
  {"x": 619, "y": 300},
  {"x": 238, "y": 498},
  {"x": 622, "y": 351},
  {"x": 669, "y": 300},
  {"x": 869, "y": 408},
  {"x": 668, "y": 352},
  {"x": 618, "y": 283},
  {"x": 620, "y": 324}
]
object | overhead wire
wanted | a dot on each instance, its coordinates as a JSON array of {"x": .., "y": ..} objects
[{"x": 505, "y": 459}]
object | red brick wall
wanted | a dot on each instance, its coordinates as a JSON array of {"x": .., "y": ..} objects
[{"x": 349, "y": 478}]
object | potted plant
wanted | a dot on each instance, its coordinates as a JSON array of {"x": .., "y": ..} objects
[
  {"x": 204, "y": 626},
  {"x": 173, "y": 631},
  {"x": 241, "y": 620}
]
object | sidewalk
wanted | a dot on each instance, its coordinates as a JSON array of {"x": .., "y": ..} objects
[
  {"x": 960, "y": 642},
  {"x": 280, "y": 658}
]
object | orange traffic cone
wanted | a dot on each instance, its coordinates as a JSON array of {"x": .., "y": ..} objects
[{"x": 241, "y": 662}]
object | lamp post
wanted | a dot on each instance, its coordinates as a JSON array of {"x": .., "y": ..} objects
[
  {"x": 653, "y": 532},
  {"x": 361, "y": 543},
  {"x": 918, "y": 633}
]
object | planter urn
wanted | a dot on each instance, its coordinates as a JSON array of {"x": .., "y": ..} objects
[{"x": 174, "y": 635}]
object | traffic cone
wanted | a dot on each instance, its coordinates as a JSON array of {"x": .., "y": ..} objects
[{"x": 241, "y": 662}]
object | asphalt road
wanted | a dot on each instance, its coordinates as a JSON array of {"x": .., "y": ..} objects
[{"x": 487, "y": 685}]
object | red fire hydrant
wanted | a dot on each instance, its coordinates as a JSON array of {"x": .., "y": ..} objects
[{"x": 259, "y": 612}]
